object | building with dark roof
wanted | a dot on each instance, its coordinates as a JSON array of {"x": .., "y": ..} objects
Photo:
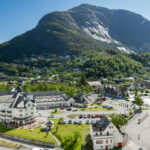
[
  {"x": 105, "y": 135},
  {"x": 115, "y": 90}
]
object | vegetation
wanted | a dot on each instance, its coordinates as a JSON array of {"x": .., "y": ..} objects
[
  {"x": 71, "y": 136},
  {"x": 35, "y": 134},
  {"x": 56, "y": 111},
  {"x": 138, "y": 101},
  {"x": 118, "y": 120},
  {"x": 73, "y": 116},
  {"x": 70, "y": 89}
]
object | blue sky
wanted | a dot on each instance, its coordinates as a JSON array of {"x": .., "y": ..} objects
[{"x": 18, "y": 16}]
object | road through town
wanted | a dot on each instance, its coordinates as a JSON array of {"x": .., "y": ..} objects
[{"x": 138, "y": 134}]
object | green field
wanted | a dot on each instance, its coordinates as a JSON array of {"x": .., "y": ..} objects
[
  {"x": 97, "y": 108},
  {"x": 73, "y": 116},
  {"x": 34, "y": 134},
  {"x": 68, "y": 130}
]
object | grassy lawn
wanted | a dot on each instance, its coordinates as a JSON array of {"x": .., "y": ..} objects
[
  {"x": 9, "y": 144},
  {"x": 65, "y": 130},
  {"x": 73, "y": 116},
  {"x": 56, "y": 112},
  {"x": 97, "y": 108},
  {"x": 34, "y": 134}
]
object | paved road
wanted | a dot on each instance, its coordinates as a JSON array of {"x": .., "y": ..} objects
[
  {"x": 139, "y": 134},
  {"x": 65, "y": 114}
]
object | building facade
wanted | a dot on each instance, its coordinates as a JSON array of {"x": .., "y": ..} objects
[
  {"x": 115, "y": 91},
  {"x": 105, "y": 135},
  {"x": 16, "y": 109},
  {"x": 48, "y": 99}
]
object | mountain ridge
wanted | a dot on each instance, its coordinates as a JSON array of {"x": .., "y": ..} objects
[{"x": 85, "y": 27}]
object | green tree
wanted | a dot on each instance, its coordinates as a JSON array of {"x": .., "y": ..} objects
[
  {"x": 118, "y": 120},
  {"x": 138, "y": 101},
  {"x": 82, "y": 80}
]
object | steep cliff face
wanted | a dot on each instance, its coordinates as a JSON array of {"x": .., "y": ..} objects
[{"x": 85, "y": 27}]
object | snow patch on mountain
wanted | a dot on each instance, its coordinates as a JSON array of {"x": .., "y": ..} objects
[
  {"x": 98, "y": 32},
  {"x": 126, "y": 50}
]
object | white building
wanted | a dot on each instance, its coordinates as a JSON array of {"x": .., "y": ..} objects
[
  {"x": 16, "y": 109},
  {"x": 105, "y": 135},
  {"x": 48, "y": 99}
]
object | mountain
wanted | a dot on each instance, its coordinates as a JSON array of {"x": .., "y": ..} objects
[{"x": 85, "y": 27}]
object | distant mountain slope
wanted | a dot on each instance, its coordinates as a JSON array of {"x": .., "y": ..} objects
[{"x": 85, "y": 27}]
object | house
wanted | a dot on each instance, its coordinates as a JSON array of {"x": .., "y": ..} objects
[
  {"x": 147, "y": 84},
  {"x": 115, "y": 91},
  {"x": 50, "y": 99},
  {"x": 16, "y": 109},
  {"x": 105, "y": 135},
  {"x": 81, "y": 100},
  {"x": 96, "y": 86}
]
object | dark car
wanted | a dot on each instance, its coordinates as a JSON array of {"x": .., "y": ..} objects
[
  {"x": 69, "y": 109},
  {"x": 80, "y": 117},
  {"x": 80, "y": 122},
  {"x": 87, "y": 122},
  {"x": 75, "y": 122},
  {"x": 70, "y": 122}
]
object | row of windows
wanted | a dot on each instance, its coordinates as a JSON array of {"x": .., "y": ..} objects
[
  {"x": 25, "y": 114},
  {"x": 104, "y": 141}
]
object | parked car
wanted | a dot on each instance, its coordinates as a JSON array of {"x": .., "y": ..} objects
[
  {"x": 62, "y": 108},
  {"x": 87, "y": 122},
  {"x": 70, "y": 122},
  {"x": 93, "y": 121},
  {"x": 75, "y": 122},
  {"x": 80, "y": 117},
  {"x": 80, "y": 122},
  {"x": 51, "y": 116},
  {"x": 64, "y": 122},
  {"x": 88, "y": 116},
  {"x": 108, "y": 107},
  {"x": 75, "y": 110},
  {"x": 85, "y": 116},
  {"x": 69, "y": 109},
  {"x": 93, "y": 116}
]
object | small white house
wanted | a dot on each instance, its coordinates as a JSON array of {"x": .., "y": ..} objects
[{"x": 105, "y": 135}]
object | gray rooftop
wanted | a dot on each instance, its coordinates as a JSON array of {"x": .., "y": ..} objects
[{"x": 101, "y": 125}]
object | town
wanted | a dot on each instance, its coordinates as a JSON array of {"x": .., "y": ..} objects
[
  {"x": 103, "y": 117},
  {"x": 74, "y": 75}
]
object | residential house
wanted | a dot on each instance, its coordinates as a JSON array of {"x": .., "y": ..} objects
[
  {"x": 105, "y": 135},
  {"x": 96, "y": 86},
  {"x": 115, "y": 91}
]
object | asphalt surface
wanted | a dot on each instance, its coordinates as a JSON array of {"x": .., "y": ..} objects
[{"x": 139, "y": 134}]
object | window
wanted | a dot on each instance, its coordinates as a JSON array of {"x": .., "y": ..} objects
[
  {"x": 99, "y": 142},
  {"x": 106, "y": 141},
  {"x": 20, "y": 110},
  {"x": 20, "y": 115},
  {"x": 107, "y": 133}
]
